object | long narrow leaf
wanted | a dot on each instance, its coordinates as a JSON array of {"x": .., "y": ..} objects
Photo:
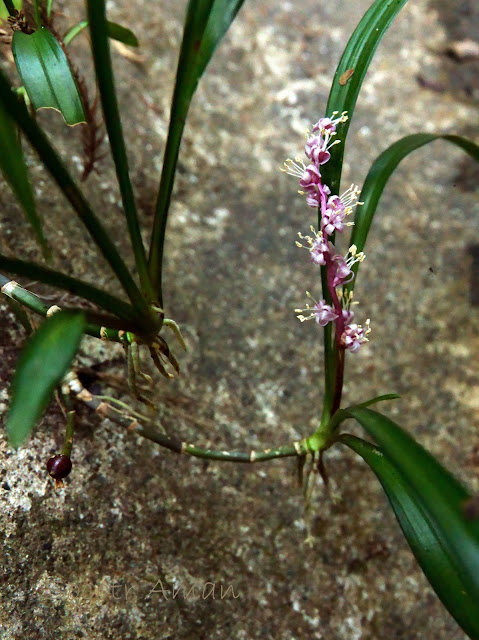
[
  {"x": 423, "y": 536},
  {"x": 104, "y": 74},
  {"x": 206, "y": 23},
  {"x": 46, "y": 74},
  {"x": 381, "y": 171},
  {"x": 353, "y": 65},
  {"x": 41, "y": 366},
  {"x": 115, "y": 32},
  {"x": 14, "y": 170},
  {"x": 357, "y": 56},
  {"x": 77, "y": 287},
  {"x": 50, "y": 158},
  {"x": 441, "y": 495}
]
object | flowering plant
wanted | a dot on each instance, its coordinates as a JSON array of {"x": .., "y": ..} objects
[{"x": 437, "y": 514}]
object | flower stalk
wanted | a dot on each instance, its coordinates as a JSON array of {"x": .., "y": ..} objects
[{"x": 334, "y": 310}]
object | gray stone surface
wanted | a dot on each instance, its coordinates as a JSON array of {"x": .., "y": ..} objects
[{"x": 82, "y": 562}]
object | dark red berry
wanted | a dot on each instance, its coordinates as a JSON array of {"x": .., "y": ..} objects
[{"x": 59, "y": 466}]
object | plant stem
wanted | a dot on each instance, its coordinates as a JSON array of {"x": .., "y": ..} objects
[
  {"x": 339, "y": 377},
  {"x": 69, "y": 431},
  {"x": 9, "y": 6},
  {"x": 62, "y": 177},
  {"x": 175, "y": 444},
  {"x": 36, "y": 13},
  {"x": 106, "y": 85}
]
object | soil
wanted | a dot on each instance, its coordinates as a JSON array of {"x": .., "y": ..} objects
[{"x": 144, "y": 544}]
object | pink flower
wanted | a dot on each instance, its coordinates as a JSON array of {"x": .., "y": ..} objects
[
  {"x": 341, "y": 272},
  {"x": 332, "y": 221},
  {"x": 321, "y": 312},
  {"x": 354, "y": 335},
  {"x": 317, "y": 148},
  {"x": 329, "y": 124},
  {"x": 310, "y": 178},
  {"x": 317, "y": 246}
]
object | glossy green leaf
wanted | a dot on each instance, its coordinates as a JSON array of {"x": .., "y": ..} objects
[
  {"x": 17, "y": 4},
  {"x": 62, "y": 281},
  {"x": 122, "y": 34},
  {"x": 41, "y": 367},
  {"x": 424, "y": 537},
  {"x": 441, "y": 495},
  {"x": 115, "y": 32},
  {"x": 206, "y": 23},
  {"x": 46, "y": 74},
  {"x": 357, "y": 56},
  {"x": 381, "y": 171},
  {"x": 96, "y": 13},
  {"x": 14, "y": 170}
]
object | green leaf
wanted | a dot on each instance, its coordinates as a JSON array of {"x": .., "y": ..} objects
[
  {"x": 4, "y": 11},
  {"x": 357, "y": 56},
  {"x": 59, "y": 172},
  {"x": 115, "y": 32},
  {"x": 74, "y": 31},
  {"x": 441, "y": 495},
  {"x": 381, "y": 171},
  {"x": 46, "y": 74},
  {"x": 206, "y": 23},
  {"x": 14, "y": 170},
  {"x": 424, "y": 537},
  {"x": 75, "y": 286},
  {"x": 41, "y": 367},
  {"x": 49, "y": 7},
  {"x": 386, "y": 396},
  {"x": 122, "y": 34},
  {"x": 105, "y": 80}
]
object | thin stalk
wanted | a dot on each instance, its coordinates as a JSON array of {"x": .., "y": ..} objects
[
  {"x": 175, "y": 444},
  {"x": 36, "y": 13},
  {"x": 339, "y": 377},
  {"x": 9, "y": 6},
  {"x": 329, "y": 361},
  {"x": 104, "y": 73},
  {"x": 69, "y": 431},
  {"x": 77, "y": 287},
  {"x": 62, "y": 177}
]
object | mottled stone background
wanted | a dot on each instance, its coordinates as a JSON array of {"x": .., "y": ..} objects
[{"x": 80, "y": 562}]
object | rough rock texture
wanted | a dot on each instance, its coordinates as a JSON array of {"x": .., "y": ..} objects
[{"x": 90, "y": 561}]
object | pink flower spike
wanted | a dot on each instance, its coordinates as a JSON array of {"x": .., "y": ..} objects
[{"x": 321, "y": 312}]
